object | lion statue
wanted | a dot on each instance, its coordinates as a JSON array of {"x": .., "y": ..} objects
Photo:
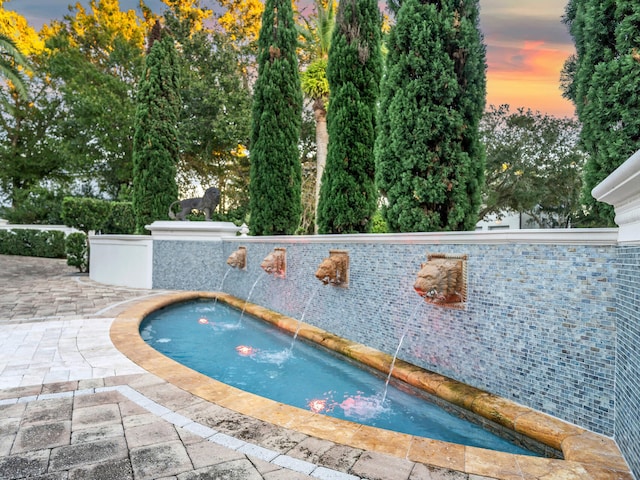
[
  {"x": 333, "y": 270},
  {"x": 207, "y": 204},
  {"x": 441, "y": 281}
]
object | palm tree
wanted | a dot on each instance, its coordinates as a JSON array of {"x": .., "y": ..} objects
[
  {"x": 10, "y": 61},
  {"x": 317, "y": 40}
]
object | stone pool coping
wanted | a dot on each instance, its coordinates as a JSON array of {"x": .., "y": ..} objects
[{"x": 586, "y": 454}]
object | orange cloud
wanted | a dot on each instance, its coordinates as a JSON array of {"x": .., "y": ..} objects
[{"x": 527, "y": 77}]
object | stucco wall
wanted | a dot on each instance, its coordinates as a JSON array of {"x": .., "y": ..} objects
[{"x": 539, "y": 326}]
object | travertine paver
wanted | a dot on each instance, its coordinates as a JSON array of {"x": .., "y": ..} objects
[
  {"x": 112, "y": 469},
  {"x": 41, "y": 289},
  {"x": 28, "y": 464},
  {"x": 375, "y": 466},
  {"x": 72, "y": 456},
  {"x": 41, "y": 436},
  {"x": 150, "y": 433},
  {"x": 160, "y": 460}
]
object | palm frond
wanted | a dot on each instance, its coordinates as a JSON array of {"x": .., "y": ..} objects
[{"x": 11, "y": 59}]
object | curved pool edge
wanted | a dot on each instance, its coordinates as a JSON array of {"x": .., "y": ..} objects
[{"x": 586, "y": 454}]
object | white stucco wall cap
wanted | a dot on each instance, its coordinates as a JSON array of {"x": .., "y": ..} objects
[{"x": 203, "y": 231}]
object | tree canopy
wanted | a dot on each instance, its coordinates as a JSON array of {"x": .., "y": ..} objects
[
  {"x": 430, "y": 162},
  {"x": 75, "y": 133},
  {"x": 534, "y": 166}
]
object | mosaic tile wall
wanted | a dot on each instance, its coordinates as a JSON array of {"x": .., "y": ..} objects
[
  {"x": 539, "y": 325},
  {"x": 628, "y": 356}
]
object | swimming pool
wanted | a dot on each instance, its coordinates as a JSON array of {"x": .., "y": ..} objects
[{"x": 240, "y": 350}]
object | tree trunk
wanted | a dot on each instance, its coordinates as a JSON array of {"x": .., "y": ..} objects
[{"x": 322, "y": 140}]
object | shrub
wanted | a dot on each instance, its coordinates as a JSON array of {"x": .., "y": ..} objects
[
  {"x": 85, "y": 214},
  {"x": 121, "y": 219},
  {"x": 32, "y": 243},
  {"x": 36, "y": 206},
  {"x": 77, "y": 251},
  {"x": 378, "y": 223}
]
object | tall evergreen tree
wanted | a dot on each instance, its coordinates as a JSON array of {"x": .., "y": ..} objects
[
  {"x": 155, "y": 143},
  {"x": 429, "y": 158},
  {"x": 592, "y": 26},
  {"x": 348, "y": 195},
  {"x": 603, "y": 80},
  {"x": 275, "y": 172}
]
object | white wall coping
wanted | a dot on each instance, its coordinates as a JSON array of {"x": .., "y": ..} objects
[
  {"x": 201, "y": 231},
  {"x": 568, "y": 236},
  {"x": 622, "y": 190},
  {"x": 23, "y": 226},
  {"x": 120, "y": 239}
]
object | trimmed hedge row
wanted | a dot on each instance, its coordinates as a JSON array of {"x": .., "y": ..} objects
[
  {"x": 33, "y": 243},
  {"x": 88, "y": 214}
]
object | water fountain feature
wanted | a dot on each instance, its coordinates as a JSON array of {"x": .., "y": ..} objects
[
  {"x": 395, "y": 355},
  {"x": 553, "y": 291},
  {"x": 276, "y": 263},
  {"x": 253, "y": 359},
  {"x": 238, "y": 259},
  {"x": 334, "y": 269},
  {"x": 443, "y": 280}
]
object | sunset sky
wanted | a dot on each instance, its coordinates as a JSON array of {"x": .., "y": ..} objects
[{"x": 527, "y": 44}]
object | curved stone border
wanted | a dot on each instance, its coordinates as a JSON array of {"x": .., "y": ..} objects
[{"x": 587, "y": 455}]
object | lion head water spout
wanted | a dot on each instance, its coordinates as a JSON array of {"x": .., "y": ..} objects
[
  {"x": 334, "y": 269},
  {"x": 238, "y": 259},
  {"x": 276, "y": 262},
  {"x": 443, "y": 280}
]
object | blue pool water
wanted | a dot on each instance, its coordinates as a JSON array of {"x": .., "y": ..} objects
[{"x": 247, "y": 353}]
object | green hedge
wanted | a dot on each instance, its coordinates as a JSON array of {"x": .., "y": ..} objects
[
  {"x": 32, "y": 243},
  {"x": 85, "y": 214},
  {"x": 121, "y": 219},
  {"x": 77, "y": 251}
]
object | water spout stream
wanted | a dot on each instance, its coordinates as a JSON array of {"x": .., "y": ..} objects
[
  {"x": 304, "y": 312},
  {"x": 395, "y": 355},
  {"x": 262, "y": 274},
  {"x": 224, "y": 277}
]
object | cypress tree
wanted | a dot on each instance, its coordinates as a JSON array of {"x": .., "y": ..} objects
[
  {"x": 275, "y": 174},
  {"x": 605, "y": 79},
  {"x": 592, "y": 26},
  {"x": 348, "y": 197},
  {"x": 155, "y": 143},
  {"x": 429, "y": 159}
]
